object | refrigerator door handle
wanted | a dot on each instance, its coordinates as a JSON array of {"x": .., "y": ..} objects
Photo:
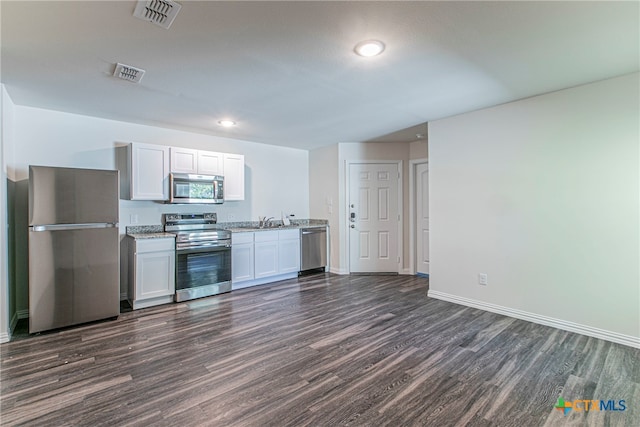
[{"x": 61, "y": 227}]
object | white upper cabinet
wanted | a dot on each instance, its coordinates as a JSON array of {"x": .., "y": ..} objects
[
  {"x": 149, "y": 166},
  {"x": 233, "y": 177},
  {"x": 186, "y": 160},
  {"x": 148, "y": 171},
  {"x": 210, "y": 163}
]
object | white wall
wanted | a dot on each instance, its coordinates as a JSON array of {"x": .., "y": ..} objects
[
  {"x": 324, "y": 196},
  {"x": 543, "y": 196},
  {"x": 418, "y": 149},
  {"x": 277, "y": 178}
]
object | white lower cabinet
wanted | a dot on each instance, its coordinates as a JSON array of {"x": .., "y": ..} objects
[
  {"x": 242, "y": 257},
  {"x": 289, "y": 251},
  {"x": 266, "y": 259},
  {"x": 266, "y": 253},
  {"x": 264, "y": 256},
  {"x": 152, "y": 271}
]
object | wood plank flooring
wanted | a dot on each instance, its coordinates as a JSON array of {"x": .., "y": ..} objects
[{"x": 321, "y": 350}]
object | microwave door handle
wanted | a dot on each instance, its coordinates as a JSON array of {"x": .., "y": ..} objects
[{"x": 218, "y": 189}]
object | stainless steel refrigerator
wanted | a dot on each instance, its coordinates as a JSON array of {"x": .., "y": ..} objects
[{"x": 74, "y": 250}]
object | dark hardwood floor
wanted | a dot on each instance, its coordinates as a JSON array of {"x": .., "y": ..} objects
[{"x": 321, "y": 350}]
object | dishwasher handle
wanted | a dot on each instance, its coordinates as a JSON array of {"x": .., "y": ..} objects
[{"x": 314, "y": 231}]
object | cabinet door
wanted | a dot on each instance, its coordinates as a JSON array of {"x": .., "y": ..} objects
[
  {"x": 149, "y": 172},
  {"x": 184, "y": 160},
  {"x": 289, "y": 255},
  {"x": 241, "y": 262},
  {"x": 233, "y": 177},
  {"x": 155, "y": 274},
  {"x": 210, "y": 163},
  {"x": 266, "y": 259}
]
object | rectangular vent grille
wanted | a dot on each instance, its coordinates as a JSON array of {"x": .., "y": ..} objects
[
  {"x": 160, "y": 12},
  {"x": 129, "y": 73}
]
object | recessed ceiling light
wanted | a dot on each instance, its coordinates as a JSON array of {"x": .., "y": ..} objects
[
  {"x": 226, "y": 123},
  {"x": 369, "y": 48}
]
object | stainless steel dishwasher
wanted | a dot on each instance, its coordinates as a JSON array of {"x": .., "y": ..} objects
[{"x": 313, "y": 248}]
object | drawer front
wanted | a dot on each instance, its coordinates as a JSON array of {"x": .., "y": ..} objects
[
  {"x": 266, "y": 236},
  {"x": 238, "y": 238},
  {"x": 289, "y": 234},
  {"x": 155, "y": 245}
]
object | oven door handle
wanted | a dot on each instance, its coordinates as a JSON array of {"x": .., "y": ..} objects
[{"x": 203, "y": 249}]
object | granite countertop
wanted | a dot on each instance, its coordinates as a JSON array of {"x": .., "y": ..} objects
[
  {"x": 157, "y": 231},
  {"x": 251, "y": 226},
  {"x": 151, "y": 235},
  {"x": 148, "y": 232}
]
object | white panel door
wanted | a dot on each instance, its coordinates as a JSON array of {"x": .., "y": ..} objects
[
  {"x": 422, "y": 218},
  {"x": 373, "y": 217}
]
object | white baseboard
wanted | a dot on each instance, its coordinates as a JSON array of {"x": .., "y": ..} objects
[
  {"x": 565, "y": 325},
  {"x": 6, "y": 336},
  {"x": 406, "y": 272},
  {"x": 341, "y": 271},
  {"x": 14, "y": 322}
]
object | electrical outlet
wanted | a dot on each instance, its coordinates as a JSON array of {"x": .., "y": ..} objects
[
  {"x": 231, "y": 217},
  {"x": 133, "y": 218},
  {"x": 482, "y": 279}
]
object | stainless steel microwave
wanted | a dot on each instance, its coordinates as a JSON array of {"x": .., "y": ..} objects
[{"x": 188, "y": 188}]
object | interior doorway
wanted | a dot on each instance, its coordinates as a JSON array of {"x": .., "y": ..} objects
[{"x": 419, "y": 213}]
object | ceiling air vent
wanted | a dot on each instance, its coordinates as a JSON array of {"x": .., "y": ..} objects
[
  {"x": 129, "y": 73},
  {"x": 160, "y": 12}
]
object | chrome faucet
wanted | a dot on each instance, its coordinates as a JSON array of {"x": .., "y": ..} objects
[{"x": 264, "y": 222}]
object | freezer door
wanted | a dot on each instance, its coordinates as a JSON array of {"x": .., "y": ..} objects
[
  {"x": 72, "y": 196},
  {"x": 74, "y": 277}
]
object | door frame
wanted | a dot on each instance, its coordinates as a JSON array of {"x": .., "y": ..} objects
[
  {"x": 348, "y": 164},
  {"x": 413, "y": 164}
]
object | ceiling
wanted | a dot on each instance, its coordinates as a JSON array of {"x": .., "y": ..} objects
[{"x": 286, "y": 71}]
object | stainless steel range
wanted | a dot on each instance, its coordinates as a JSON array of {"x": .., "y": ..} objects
[{"x": 203, "y": 255}]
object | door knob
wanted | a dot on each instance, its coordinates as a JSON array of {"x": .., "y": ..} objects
[{"x": 353, "y": 217}]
